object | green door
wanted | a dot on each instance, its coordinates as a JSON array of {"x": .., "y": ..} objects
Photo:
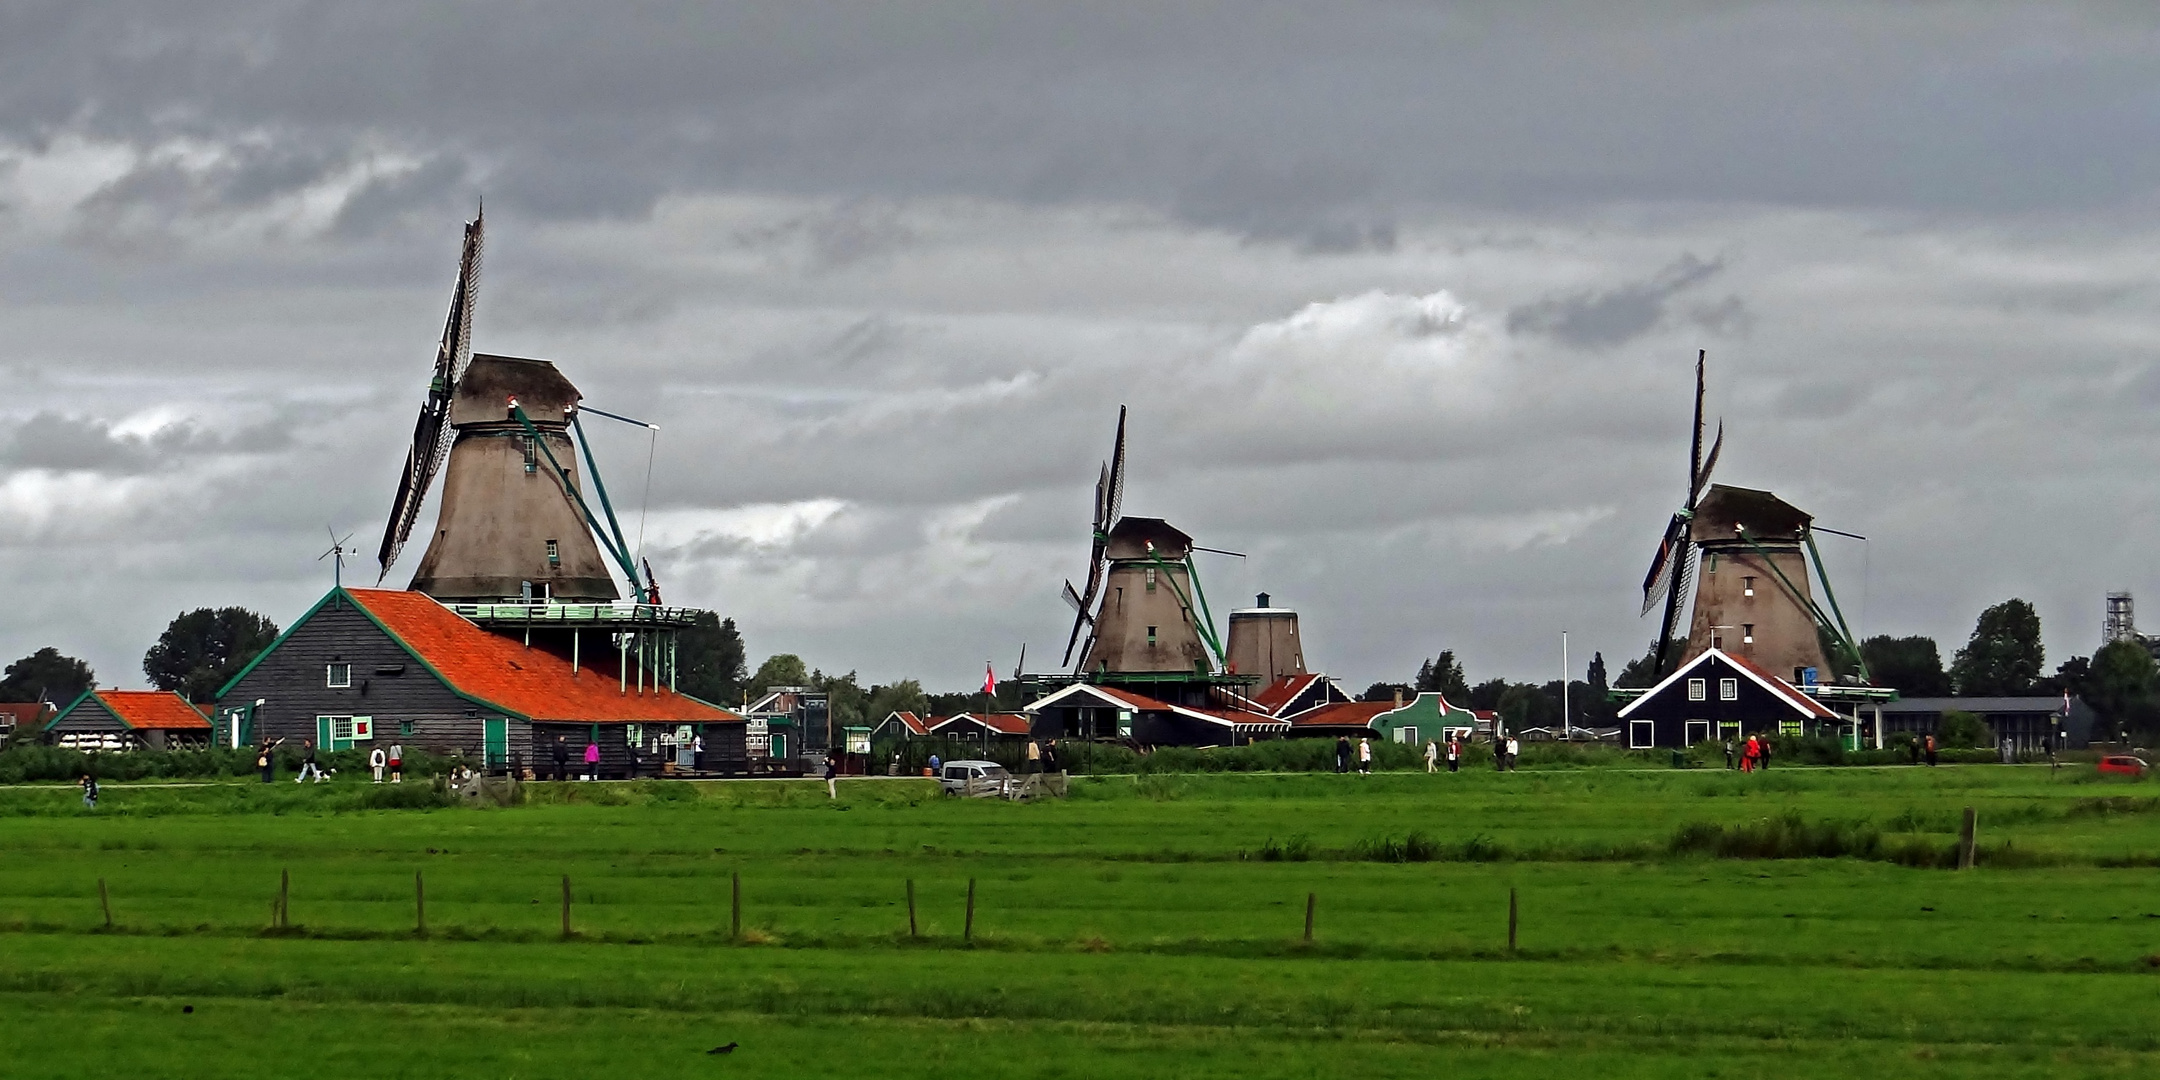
[
  {"x": 323, "y": 731},
  {"x": 495, "y": 741}
]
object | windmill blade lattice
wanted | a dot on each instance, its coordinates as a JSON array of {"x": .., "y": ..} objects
[{"x": 430, "y": 446}]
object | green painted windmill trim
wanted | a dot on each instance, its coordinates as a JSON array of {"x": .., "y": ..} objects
[
  {"x": 562, "y": 477},
  {"x": 1815, "y": 610},
  {"x": 1206, "y": 632},
  {"x": 599, "y": 485},
  {"x": 1823, "y": 575}
]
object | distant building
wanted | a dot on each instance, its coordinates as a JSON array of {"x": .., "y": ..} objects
[
  {"x": 27, "y": 717},
  {"x": 2026, "y": 721},
  {"x": 129, "y": 720}
]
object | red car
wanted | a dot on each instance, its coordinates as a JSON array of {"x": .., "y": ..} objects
[{"x": 2123, "y": 764}]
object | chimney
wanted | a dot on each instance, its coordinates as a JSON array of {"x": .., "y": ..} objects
[{"x": 1262, "y": 600}]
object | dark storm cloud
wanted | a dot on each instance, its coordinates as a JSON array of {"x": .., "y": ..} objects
[
  {"x": 1312, "y": 122},
  {"x": 1602, "y": 319},
  {"x": 50, "y": 440}
]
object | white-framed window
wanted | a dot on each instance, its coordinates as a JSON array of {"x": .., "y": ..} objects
[
  {"x": 1698, "y": 731},
  {"x": 1747, "y": 633},
  {"x": 1151, "y": 579},
  {"x": 1728, "y": 689},
  {"x": 1641, "y": 734},
  {"x": 1698, "y": 689},
  {"x": 554, "y": 553},
  {"x": 1406, "y": 734},
  {"x": 337, "y": 676},
  {"x": 1747, "y": 586}
]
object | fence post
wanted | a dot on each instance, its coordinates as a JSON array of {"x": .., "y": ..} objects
[
  {"x": 566, "y": 907},
  {"x": 735, "y": 919},
  {"x": 911, "y": 930},
  {"x": 284, "y": 898},
  {"x": 1968, "y": 839},
  {"x": 1512, "y": 913},
  {"x": 105, "y": 901},
  {"x": 1311, "y": 899},
  {"x": 419, "y": 896},
  {"x": 968, "y": 934}
]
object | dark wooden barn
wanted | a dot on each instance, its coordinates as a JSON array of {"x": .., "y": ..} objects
[
  {"x": 1715, "y": 696},
  {"x": 129, "y": 720},
  {"x": 397, "y": 666}
]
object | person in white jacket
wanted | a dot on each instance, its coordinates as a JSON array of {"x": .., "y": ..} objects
[{"x": 377, "y": 761}]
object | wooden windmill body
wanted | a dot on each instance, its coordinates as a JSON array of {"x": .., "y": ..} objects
[
  {"x": 1752, "y": 596},
  {"x": 1144, "y": 623},
  {"x": 506, "y": 529}
]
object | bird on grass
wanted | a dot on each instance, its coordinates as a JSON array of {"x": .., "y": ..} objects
[{"x": 728, "y": 1049}]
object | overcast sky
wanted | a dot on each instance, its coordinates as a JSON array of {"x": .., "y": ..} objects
[{"x": 1405, "y": 300}]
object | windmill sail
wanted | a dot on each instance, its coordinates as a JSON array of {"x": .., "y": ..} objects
[
  {"x": 1109, "y": 496},
  {"x": 431, "y": 441}
]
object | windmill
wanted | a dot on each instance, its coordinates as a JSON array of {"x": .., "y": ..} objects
[
  {"x": 429, "y": 447},
  {"x": 1143, "y": 611},
  {"x": 1748, "y": 557},
  {"x": 514, "y": 522},
  {"x": 1672, "y": 569}
]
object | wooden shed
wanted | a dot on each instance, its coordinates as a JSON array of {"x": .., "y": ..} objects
[{"x": 129, "y": 720}]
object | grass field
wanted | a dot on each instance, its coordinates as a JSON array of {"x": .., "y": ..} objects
[{"x": 1144, "y": 927}]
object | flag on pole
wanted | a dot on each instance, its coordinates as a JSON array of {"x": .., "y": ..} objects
[{"x": 989, "y": 678}]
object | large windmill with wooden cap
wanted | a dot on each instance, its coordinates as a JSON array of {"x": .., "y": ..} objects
[
  {"x": 518, "y": 542},
  {"x": 1748, "y": 556},
  {"x": 1143, "y": 612}
]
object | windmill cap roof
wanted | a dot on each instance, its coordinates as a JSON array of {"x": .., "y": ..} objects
[
  {"x": 1134, "y": 533},
  {"x": 1722, "y": 508},
  {"x": 490, "y": 380}
]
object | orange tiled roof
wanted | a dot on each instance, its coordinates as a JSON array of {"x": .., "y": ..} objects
[
  {"x": 532, "y": 683},
  {"x": 1342, "y": 714},
  {"x": 153, "y": 710}
]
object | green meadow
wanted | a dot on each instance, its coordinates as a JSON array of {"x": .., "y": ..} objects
[{"x": 1669, "y": 923}]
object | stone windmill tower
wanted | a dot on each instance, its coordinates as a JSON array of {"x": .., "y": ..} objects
[
  {"x": 1748, "y": 555},
  {"x": 1143, "y": 612}
]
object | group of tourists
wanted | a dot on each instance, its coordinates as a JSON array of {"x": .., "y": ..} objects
[
  {"x": 559, "y": 753},
  {"x": 1505, "y": 753},
  {"x": 391, "y": 760},
  {"x": 1753, "y": 755},
  {"x": 1344, "y": 751}
]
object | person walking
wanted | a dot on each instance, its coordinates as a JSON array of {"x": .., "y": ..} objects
[
  {"x": 636, "y": 759},
  {"x": 1454, "y": 753},
  {"x": 89, "y": 791},
  {"x": 1728, "y": 753},
  {"x": 1432, "y": 756},
  {"x": 1929, "y": 748},
  {"x": 1749, "y": 754},
  {"x": 307, "y": 764},
  {"x": 1766, "y": 752},
  {"x": 1034, "y": 756},
  {"x": 397, "y": 763},
  {"x": 1514, "y": 750},
  {"x": 592, "y": 761},
  {"x": 378, "y": 762},
  {"x": 832, "y": 776},
  {"x": 560, "y": 754},
  {"x": 1364, "y": 757},
  {"x": 267, "y": 761},
  {"x": 697, "y": 751},
  {"x": 1342, "y": 753}
]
